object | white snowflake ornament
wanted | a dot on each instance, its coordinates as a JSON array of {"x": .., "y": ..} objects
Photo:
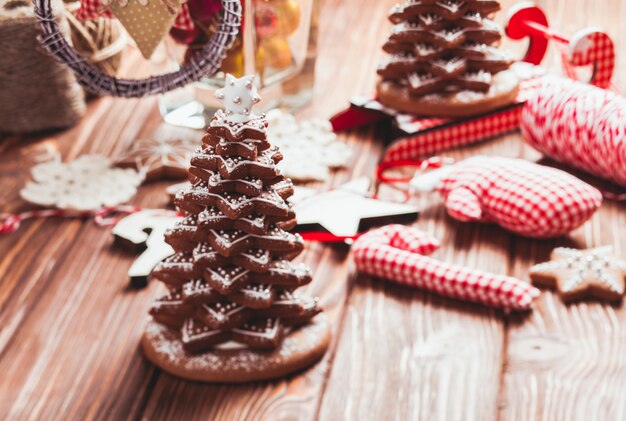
[
  {"x": 238, "y": 96},
  {"x": 87, "y": 183},
  {"x": 309, "y": 148}
]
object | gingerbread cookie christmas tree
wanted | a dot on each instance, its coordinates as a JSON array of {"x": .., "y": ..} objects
[
  {"x": 442, "y": 59},
  {"x": 232, "y": 313}
]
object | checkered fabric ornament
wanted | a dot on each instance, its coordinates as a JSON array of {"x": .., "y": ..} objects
[
  {"x": 396, "y": 253},
  {"x": 523, "y": 197},
  {"x": 592, "y": 48},
  {"x": 578, "y": 125}
]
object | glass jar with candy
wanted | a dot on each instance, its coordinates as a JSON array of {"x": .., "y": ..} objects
[{"x": 277, "y": 42}]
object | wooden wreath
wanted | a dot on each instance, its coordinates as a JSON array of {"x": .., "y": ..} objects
[{"x": 89, "y": 76}]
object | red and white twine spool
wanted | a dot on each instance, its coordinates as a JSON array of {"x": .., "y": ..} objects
[{"x": 579, "y": 125}]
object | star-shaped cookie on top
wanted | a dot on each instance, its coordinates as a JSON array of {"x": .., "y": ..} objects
[{"x": 578, "y": 274}]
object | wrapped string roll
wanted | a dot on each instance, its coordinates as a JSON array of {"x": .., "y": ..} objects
[
  {"x": 579, "y": 125},
  {"x": 101, "y": 41}
]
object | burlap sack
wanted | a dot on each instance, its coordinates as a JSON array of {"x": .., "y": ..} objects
[{"x": 36, "y": 92}]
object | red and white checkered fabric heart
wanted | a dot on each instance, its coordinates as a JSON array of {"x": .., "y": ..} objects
[
  {"x": 396, "y": 252},
  {"x": 523, "y": 197},
  {"x": 579, "y": 125},
  {"x": 92, "y": 9}
]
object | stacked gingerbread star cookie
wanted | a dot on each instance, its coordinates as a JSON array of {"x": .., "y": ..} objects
[
  {"x": 232, "y": 313},
  {"x": 442, "y": 59}
]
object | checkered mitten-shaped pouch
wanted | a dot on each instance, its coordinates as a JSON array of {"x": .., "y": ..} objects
[{"x": 523, "y": 197}]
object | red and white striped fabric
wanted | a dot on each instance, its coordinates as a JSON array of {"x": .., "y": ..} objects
[
  {"x": 454, "y": 135},
  {"x": 523, "y": 197},
  {"x": 578, "y": 125},
  {"x": 396, "y": 253},
  {"x": 92, "y": 9}
]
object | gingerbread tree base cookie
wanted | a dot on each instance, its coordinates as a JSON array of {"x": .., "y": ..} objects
[
  {"x": 502, "y": 92},
  {"x": 298, "y": 350},
  {"x": 232, "y": 312},
  {"x": 442, "y": 60}
]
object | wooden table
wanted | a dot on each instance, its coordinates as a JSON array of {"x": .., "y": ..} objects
[{"x": 70, "y": 327}]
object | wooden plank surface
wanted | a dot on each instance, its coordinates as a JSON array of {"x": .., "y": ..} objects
[
  {"x": 431, "y": 352},
  {"x": 69, "y": 326},
  {"x": 567, "y": 362}
]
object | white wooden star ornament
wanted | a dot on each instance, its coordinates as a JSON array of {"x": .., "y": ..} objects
[
  {"x": 238, "y": 97},
  {"x": 341, "y": 210},
  {"x": 145, "y": 230}
]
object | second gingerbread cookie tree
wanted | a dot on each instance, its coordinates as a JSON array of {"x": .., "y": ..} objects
[
  {"x": 232, "y": 314},
  {"x": 443, "y": 60}
]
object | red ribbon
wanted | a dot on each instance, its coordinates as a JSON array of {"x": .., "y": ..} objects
[
  {"x": 433, "y": 162},
  {"x": 327, "y": 237}
]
